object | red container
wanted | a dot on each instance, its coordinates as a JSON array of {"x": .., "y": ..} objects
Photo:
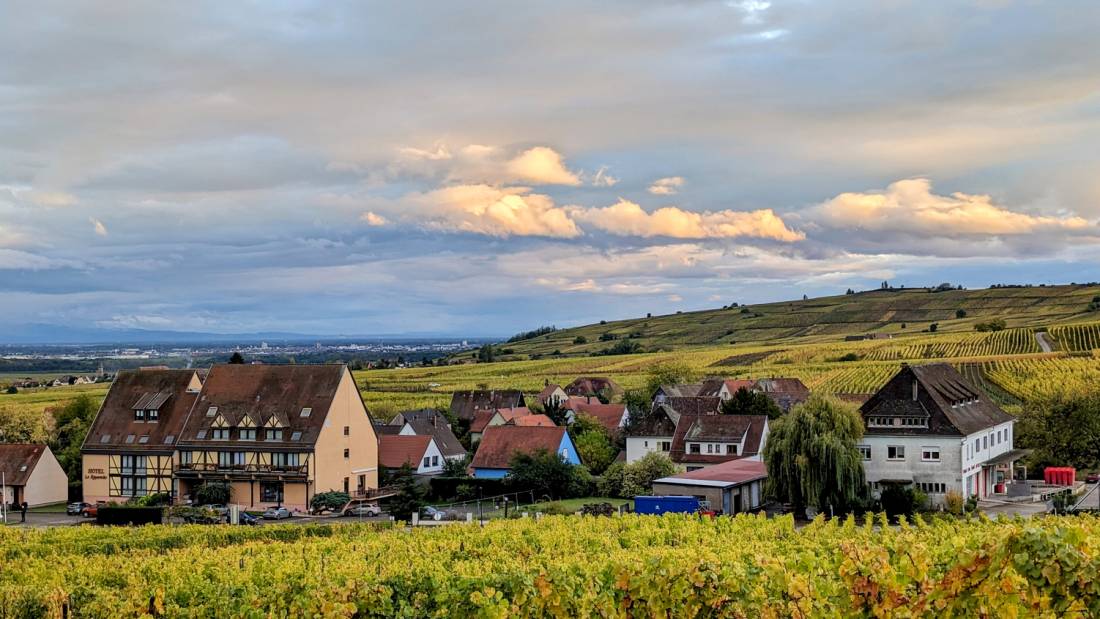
[
  {"x": 999, "y": 488},
  {"x": 1060, "y": 475}
]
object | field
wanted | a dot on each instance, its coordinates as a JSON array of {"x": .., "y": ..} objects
[{"x": 560, "y": 566}]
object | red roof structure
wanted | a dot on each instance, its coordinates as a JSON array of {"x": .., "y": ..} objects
[
  {"x": 17, "y": 461},
  {"x": 610, "y": 416},
  {"x": 394, "y": 450},
  {"x": 499, "y": 443}
]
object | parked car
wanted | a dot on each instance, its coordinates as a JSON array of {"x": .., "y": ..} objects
[
  {"x": 90, "y": 511},
  {"x": 276, "y": 513},
  {"x": 432, "y": 513},
  {"x": 77, "y": 508},
  {"x": 247, "y": 519},
  {"x": 366, "y": 510},
  {"x": 1092, "y": 478}
]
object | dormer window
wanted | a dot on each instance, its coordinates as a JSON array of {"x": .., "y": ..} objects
[
  {"x": 247, "y": 434},
  {"x": 219, "y": 434},
  {"x": 152, "y": 416},
  {"x": 23, "y": 468},
  {"x": 139, "y": 415},
  {"x": 274, "y": 434}
]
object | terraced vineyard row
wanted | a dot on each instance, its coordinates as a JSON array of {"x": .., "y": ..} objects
[
  {"x": 1027, "y": 379},
  {"x": 1080, "y": 337}
]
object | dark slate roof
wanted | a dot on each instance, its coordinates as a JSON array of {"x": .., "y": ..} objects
[
  {"x": 499, "y": 443},
  {"x": 115, "y": 427},
  {"x": 263, "y": 392},
  {"x": 718, "y": 428},
  {"x": 698, "y": 405},
  {"x": 953, "y": 406},
  {"x": 17, "y": 461},
  {"x": 465, "y": 404},
  {"x": 386, "y": 429},
  {"x": 430, "y": 422},
  {"x": 661, "y": 421},
  {"x": 592, "y": 386},
  {"x": 684, "y": 390}
]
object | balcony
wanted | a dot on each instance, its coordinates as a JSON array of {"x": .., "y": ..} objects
[{"x": 242, "y": 471}]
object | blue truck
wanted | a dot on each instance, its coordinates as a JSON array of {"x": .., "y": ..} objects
[{"x": 666, "y": 505}]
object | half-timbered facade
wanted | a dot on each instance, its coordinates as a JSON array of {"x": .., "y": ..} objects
[{"x": 129, "y": 450}]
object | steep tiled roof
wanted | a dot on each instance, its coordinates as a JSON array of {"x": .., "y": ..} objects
[
  {"x": 387, "y": 429},
  {"x": 500, "y": 443},
  {"x": 592, "y": 386},
  {"x": 547, "y": 391},
  {"x": 17, "y": 461},
  {"x": 952, "y": 405},
  {"x": 745, "y": 429},
  {"x": 465, "y": 404},
  {"x": 610, "y": 416},
  {"x": 271, "y": 394},
  {"x": 713, "y": 386},
  {"x": 697, "y": 405},
  {"x": 116, "y": 426},
  {"x": 482, "y": 419},
  {"x": 661, "y": 421},
  {"x": 395, "y": 450},
  {"x": 531, "y": 421},
  {"x": 683, "y": 390},
  {"x": 431, "y": 422}
]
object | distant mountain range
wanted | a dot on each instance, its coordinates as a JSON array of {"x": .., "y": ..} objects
[{"x": 45, "y": 334}]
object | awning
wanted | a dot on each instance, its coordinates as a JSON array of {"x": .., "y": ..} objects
[{"x": 1008, "y": 456}]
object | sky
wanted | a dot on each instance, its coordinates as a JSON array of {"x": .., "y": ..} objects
[{"x": 482, "y": 168}]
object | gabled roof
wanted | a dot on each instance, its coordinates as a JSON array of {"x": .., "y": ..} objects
[
  {"x": 394, "y": 451},
  {"x": 17, "y": 461},
  {"x": 661, "y": 421},
  {"x": 723, "y": 475},
  {"x": 713, "y": 386},
  {"x": 592, "y": 386},
  {"x": 548, "y": 390},
  {"x": 610, "y": 416},
  {"x": 430, "y": 422},
  {"x": 387, "y": 429},
  {"x": 531, "y": 421},
  {"x": 682, "y": 390},
  {"x": 115, "y": 425},
  {"x": 465, "y": 404},
  {"x": 952, "y": 405},
  {"x": 500, "y": 443},
  {"x": 273, "y": 396},
  {"x": 748, "y": 430},
  {"x": 694, "y": 405},
  {"x": 793, "y": 387}
]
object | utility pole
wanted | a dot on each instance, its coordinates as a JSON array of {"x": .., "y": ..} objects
[{"x": 4, "y": 496}]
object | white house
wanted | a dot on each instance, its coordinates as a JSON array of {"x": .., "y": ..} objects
[
  {"x": 418, "y": 451},
  {"x": 931, "y": 428},
  {"x": 653, "y": 434},
  {"x": 31, "y": 473}
]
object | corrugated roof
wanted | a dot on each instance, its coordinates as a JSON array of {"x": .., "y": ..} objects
[
  {"x": 17, "y": 461},
  {"x": 499, "y": 443},
  {"x": 116, "y": 420},
  {"x": 725, "y": 474}
]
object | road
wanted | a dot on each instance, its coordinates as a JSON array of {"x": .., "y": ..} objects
[{"x": 1044, "y": 343}]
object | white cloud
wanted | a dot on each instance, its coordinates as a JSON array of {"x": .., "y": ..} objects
[
  {"x": 909, "y": 207},
  {"x": 100, "y": 229},
  {"x": 494, "y": 211},
  {"x": 51, "y": 198},
  {"x": 373, "y": 219},
  {"x": 625, "y": 218},
  {"x": 542, "y": 166},
  {"x": 603, "y": 179},
  {"x": 666, "y": 186}
]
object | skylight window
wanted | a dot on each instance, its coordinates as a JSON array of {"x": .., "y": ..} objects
[
  {"x": 144, "y": 439},
  {"x": 168, "y": 440},
  {"x": 129, "y": 438},
  {"x": 306, "y": 411},
  {"x": 23, "y": 468},
  {"x": 106, "y": 438},
  {"x": 213, "y": 410},
  {"x": 295, "y": 436},
  {"x": 200, "y": 434}
]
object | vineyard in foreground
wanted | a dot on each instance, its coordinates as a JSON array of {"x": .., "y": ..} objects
[{"x": 562, "y": 566}]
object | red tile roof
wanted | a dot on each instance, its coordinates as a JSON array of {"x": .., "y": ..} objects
[
  {"x": 17, "y": 461},
  {"x": 715, "y": 429},
  {"x": 482, "y": 418},
  {"x": 396, "y": 450},
  {"x": 500, "y": 443},
  {"x": 531, "y": 421},
  {"x": 115, "y": 425},
  {"x": 610, "y": 416},
  {"x": 592, "y": 385}
]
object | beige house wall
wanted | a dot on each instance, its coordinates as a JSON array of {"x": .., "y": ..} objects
[
  {"x": 95, "y": 471},
  {"x": 48, "y": 482},
  {"x": 329, "y": 468}
]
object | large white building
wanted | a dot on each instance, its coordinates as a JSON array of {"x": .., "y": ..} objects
[{"x": 931, "y": 428}]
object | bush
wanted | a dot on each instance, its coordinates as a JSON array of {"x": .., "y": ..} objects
[
  {"x": 329, "y": 501},
  {"x": 634, "y": 479},
  {"x": 960, "y": 313},
  {"x": 953, "y": 502},
  {"x": 997, "y": 324},
  {"x": 580, "y": 339},
  {"x": 898, "y": 500},
  {"x": 212, "y": 493},
  {"x": 547, "y": 474},
  {"x": 847, "y": 357},
  {"x": 153, "y": 500}
]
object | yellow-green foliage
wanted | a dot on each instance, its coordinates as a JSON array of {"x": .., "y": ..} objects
[{"x": 562, "y": 566}]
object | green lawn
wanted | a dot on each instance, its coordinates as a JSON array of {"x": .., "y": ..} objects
[{"x": 564, "y": 506}]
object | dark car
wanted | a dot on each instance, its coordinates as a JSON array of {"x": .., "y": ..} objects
[
  {"x": 247, "y": 519},
  {"x": 1092, "y": 478},
  {"x": 77, "y": 508}
]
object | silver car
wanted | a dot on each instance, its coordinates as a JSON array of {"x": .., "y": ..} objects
[
  {"x": 276, "y": 513},
  {"x": 365, "y": 511}
]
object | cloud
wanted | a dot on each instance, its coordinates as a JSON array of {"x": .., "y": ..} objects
[
  {"x": 603, "y": 179},
  {"x": 625, "y": 218},
  {"x": 100, "y": 229},
  {"x": 493, "y": 211},
  {"x": 51, "y": 198},
  {"x": 909, "y": 207},
  {"x": 666, "y": 186},
  {"x": 541, "y": 166},
  {"x": 373, "y": 219}
]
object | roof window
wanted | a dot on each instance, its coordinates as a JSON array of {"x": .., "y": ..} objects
[
  {"x": 213, "y": 410},
  {"x": 168, "y": 440},
  {"x": 106, "y": 438},
  {"x": 144, "y": 439},
  {"x": 295, "y": 436},
  {"x": 129, "y": 438},
  {"x": 306, "y": 411},
  {"x": 200, "y": 434}
]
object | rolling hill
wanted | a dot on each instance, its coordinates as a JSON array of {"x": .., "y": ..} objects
[{"x": 893, "y": 312}]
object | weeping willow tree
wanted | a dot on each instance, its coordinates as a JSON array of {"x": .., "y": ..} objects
[{"x": 812, "y": 457}]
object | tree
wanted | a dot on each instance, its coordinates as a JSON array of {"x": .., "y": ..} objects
[
  {"x": 932, "y": 328},
  {"x": 410, "y": 494},
  {"x": 71, "y": 424},
  {"x": 1063, "y": 429},
  {"x": 212, "y": 493},
  {"x": 485, "y": 353},
  {"x": 746, "y": 402},
  {"x": 456, "y": 467},
  {"x": 237, "y": 358},
  {"x": 898, "y": 500},
  {"x": 11, "y": 390},
  {"x": 960, "y": 313},
  {"x": 544, "y": 472},
  {"x": 668, "y": 373},
  {"x": 636, "y": 478},
  {"x": 331, "y": 500},
  {"x": 580, "y": 339},
  {"x": 595, "y": 450},
  {"x": 22, "y": 425},
  {"x": 812, "y": 458}
]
